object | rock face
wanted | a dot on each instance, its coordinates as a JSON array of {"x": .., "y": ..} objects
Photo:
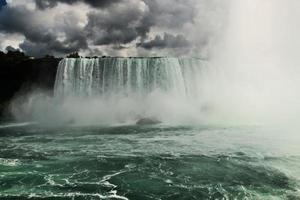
[
  {"x": 19, "y": 72},
  {"x": 148, "y": 121}
]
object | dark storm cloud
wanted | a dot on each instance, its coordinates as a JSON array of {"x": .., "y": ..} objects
[
  {"x": 39, "y": 39},
  {"x": 18, "y": 20},
  {"x": 43, "y": 4},
  {"x": 104, "y": 24},
  {"x": 124, "y": 22},
  {"x": 53, "y": 46},
  {"x": 10, "y": 48},
  {"x": 167, "y": 41},
  {"x": 117, "y": 25}
]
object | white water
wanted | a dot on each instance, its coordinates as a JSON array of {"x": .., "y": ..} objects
[
  {"x": 13, "y": 125},
  {"x": 122, "y": 91},
  {"x": 133, "y": 77}
]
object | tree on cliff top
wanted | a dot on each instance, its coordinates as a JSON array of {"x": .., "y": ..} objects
[{"x": 74, "y": 55}]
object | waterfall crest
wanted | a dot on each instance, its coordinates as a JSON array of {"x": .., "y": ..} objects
[{"x": 85, "y": 77}]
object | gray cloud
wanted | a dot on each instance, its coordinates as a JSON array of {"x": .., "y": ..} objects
[
  {"x": 125, "y": 22},
  {"x": 118, "y": 27},
  {"x": 171, "y": 13},
  {"x": 39, "y": 39},
  {"x": 167, "y": 41},
  {"x": 43, "y": 4},
  {"x": 120, "y": 24},
  {"x": 10, "y": 48}
]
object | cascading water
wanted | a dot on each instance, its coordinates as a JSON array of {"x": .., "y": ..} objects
[
  {"x": 127, "y": 76},
  {"x": 119, "y": 90}
]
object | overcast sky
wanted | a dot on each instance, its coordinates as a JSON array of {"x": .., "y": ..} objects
[{"x": 111, "y": 27}]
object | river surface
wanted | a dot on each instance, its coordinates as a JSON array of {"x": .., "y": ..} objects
[{"x": 148, "y": 162}]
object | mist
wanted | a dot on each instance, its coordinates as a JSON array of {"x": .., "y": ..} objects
[
  {"x": 112, "y": 110},
  {"x": 256, "y": 63}
]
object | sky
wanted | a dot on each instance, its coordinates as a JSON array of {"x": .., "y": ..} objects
[{"x": 111, "y": 27}]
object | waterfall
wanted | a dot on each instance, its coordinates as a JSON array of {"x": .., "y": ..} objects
[{"x": 86, "y": 77}]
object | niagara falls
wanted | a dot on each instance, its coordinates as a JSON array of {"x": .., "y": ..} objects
[{"x": 149, "y": 99}]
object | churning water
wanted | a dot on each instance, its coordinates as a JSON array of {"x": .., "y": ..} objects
[{"x": 148, "y": 162}]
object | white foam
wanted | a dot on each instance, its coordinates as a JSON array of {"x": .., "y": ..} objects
[
  {"x": 9, "y": 162},
  {"x": 13, "y": 125}
]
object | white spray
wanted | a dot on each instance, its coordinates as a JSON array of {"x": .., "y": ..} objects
[{"x": 256, "y": 64}]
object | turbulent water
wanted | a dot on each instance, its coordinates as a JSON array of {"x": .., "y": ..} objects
[{"x": 148, "y": 162}]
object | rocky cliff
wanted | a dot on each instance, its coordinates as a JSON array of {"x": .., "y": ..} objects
[{"x": 20, "y": 74}]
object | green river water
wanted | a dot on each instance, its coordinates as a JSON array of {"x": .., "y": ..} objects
[{"x": 148, "y": 162}]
